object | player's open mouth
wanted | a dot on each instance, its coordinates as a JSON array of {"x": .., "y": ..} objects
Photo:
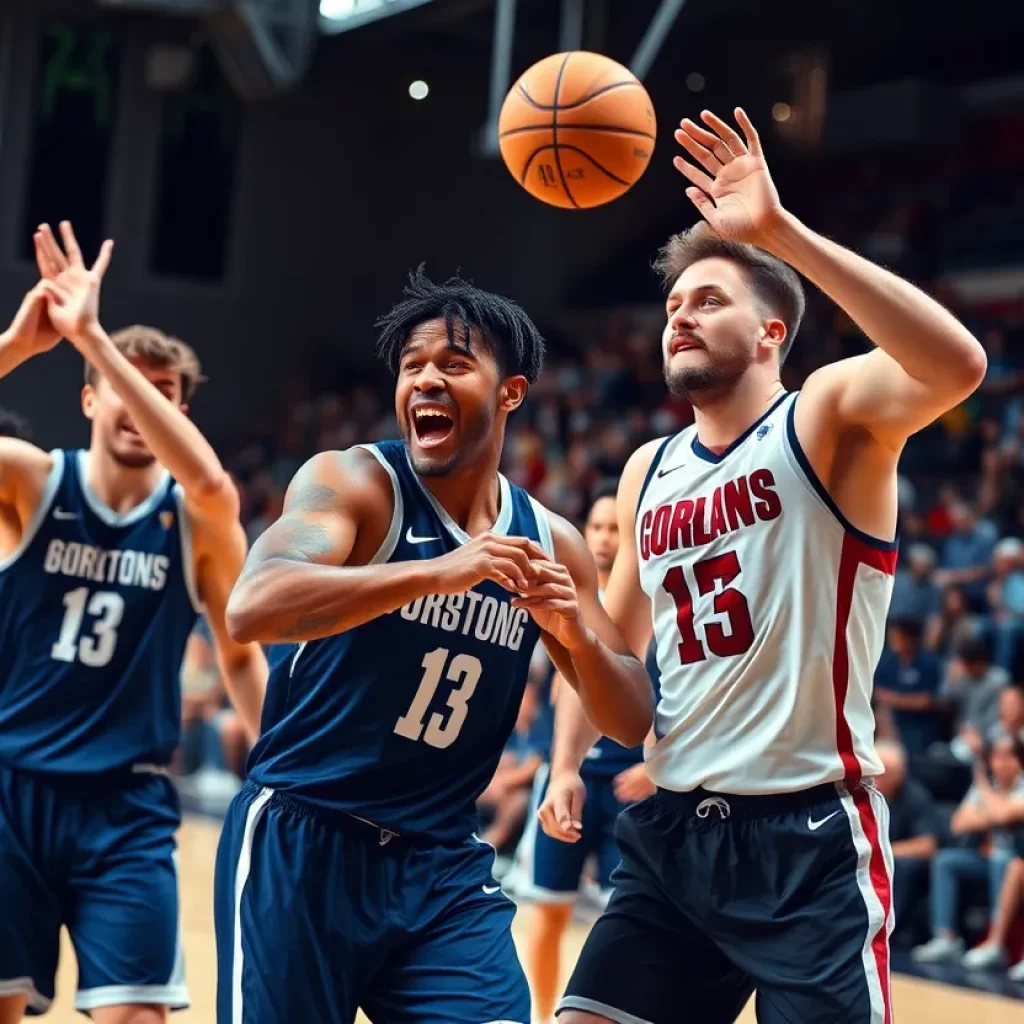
[{"x": 432, "y": 424}]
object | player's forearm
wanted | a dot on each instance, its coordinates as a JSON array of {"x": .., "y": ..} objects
[
  {"x": 282, "y": 600},
  {"x": 573, "y": 733},
  {"x": 614, "y": 689},
  {"x": 12, "y": 353},
  {"x": 245, "y": 679},
  {"x": 173, "y": 438},
  {"x": 926, "y": 340}
]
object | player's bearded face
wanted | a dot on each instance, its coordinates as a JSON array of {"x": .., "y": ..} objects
[
  {"x": 446, "y": 400},
  {"x": 711, "y": 334}
]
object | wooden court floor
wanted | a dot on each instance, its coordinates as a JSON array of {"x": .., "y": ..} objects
[{"x": 915, "y": 1002}]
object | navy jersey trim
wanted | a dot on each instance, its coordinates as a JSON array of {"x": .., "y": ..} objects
[
  {"x": 103, "y": 511},
  {"x": 541, "y": 515},
  {"x": 501, "y": 524},
  {"x": 819, "y": 488},
  {"x": 709, "y": 456},
  {"x": 53, "y": 482},
  {"x": 188, "y": 560},
  {"x": 650, "y": 472},
  {"x": 390, "y": 542}
]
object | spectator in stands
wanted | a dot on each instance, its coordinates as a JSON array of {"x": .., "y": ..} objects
[
  {"x": 1005, "y": 622},
  {"x": 972, "y": 686},
  {"x": 966, "y": 554},
  {"x": 914, "y": 831},
  {"x": 953, "y": 627},
  {"x": 915, "y": 594},
  {"x": 991, "y": 810},
  {"x": 1011, "y": 715},
  {"x": 993, "y": 954},
  {"x": 907, "y": 683},
  {"x": 13, "y": 425}
]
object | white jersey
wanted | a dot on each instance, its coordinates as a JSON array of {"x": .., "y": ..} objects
[{"x": 769, "y": 616}]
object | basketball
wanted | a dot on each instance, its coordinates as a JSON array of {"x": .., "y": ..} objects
[{"x": 577, "y": 130}]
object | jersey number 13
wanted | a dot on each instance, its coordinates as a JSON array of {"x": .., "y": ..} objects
[{"x": 96, "y": 647}]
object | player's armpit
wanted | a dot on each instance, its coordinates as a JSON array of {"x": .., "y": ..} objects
[{"x": 874, "y": 393}]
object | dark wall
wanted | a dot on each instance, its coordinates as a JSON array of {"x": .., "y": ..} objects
[{"x": 338, "y": 190}]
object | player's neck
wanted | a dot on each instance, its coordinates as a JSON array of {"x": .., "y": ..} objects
[
  {"x": 721, "y": 420},
  {"x": 117, "y": 486},
  {"x": 472, "y": 497},
  {"x": 602, "y": 579}
]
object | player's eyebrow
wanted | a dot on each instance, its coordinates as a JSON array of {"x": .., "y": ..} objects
[{"x": 701, "y": 289}]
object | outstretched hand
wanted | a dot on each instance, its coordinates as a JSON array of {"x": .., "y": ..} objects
[
  {"x": 734, "y": 193},
  {"x": 31, "y": 329},
  {"x": 72, "y": 289}
]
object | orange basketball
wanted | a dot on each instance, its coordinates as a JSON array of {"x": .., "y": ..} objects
[{"x": 577, "y": 130}]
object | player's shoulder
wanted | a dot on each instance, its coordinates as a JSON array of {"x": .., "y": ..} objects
[
  {"x": 341, "y": 478},
  {"x": 24, "y": 469}
]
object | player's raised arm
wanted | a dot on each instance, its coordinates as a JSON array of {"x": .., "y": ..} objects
[
  {"x": 926, "y": 361},
  {"x": 306, "y": 576},
  {"x": 173, "y": 438},
  {"x": 220, "y": 546}
]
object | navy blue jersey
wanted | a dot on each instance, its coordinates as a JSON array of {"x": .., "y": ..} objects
[
  {"x": 401, "y": 721},
  {"x": 95, "y": 612},
  {"x": 608, "y": 757}
]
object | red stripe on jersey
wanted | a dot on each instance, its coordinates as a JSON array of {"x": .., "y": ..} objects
[
  {"x": 882, "y": 886},
  {"x": 855, "y": 554}
]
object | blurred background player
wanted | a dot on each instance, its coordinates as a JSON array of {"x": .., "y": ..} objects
[
  {"x": 108, "y": 557},
  {"x": 760, "y": 543},
  {"x": 416, "y": 582},
  {"x": 612, "y": 776}
]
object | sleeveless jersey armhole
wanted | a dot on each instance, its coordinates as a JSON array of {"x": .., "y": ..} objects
[
  {"x": 387, "y": 548},
  {"x": 188, "y": 564},
  {"x": 50, "y": 488},
  {"x": 655, "y": 462},
  {"x": 540, "y": 513}
]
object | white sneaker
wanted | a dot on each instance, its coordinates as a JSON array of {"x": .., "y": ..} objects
[
  {"x": 939, "y": 950},
  {"x": 989, "y": 956},
  {"x": 1016, "y": 972}
]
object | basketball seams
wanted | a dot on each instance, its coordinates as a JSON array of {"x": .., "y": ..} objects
[
  {"x": 613, "y": 129},
  {"x": 603, "y": 170},
  {"x": 554, "y": 132},
  {"x": 577, "y": 103}
]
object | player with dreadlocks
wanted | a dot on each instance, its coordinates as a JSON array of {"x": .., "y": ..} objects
[{"x": 408, "y": 582}]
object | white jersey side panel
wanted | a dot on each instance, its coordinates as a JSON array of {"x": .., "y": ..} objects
[{"x": 769, "y": 617}]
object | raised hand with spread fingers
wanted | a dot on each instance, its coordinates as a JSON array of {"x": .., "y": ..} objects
[{"x": 734, "y": 192}]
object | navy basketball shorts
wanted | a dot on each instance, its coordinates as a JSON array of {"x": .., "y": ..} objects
[
  {"x": 718, "y": 896},
  {"x": 319, "y": 914},
  {"x": 549, "y": 871},
  {"x": 96, "y": 855}
]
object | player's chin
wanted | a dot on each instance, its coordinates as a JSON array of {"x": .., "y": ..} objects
[
  {"x": 435, "y": 453},
  {"x": 133, "y": 455}
]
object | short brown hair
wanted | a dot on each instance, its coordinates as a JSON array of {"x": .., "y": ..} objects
[
  {"x": 160, "y": 350},
  {"x": 775, "y": 284}
]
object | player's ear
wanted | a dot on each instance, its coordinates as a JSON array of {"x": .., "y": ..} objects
[
  {"x": 773, "y": 332},
  {"x": 513, "y": 393},
  {"x": 89, "y": 401}
]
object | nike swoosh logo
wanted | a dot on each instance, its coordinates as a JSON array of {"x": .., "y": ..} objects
[
  {"x": 491, "y": 889},
  {"x": 59, "y": 513},
  {"x": 815, "y": 825},
  {"x": 665, "y": 472},
  {"x": 413, "y": 539}
]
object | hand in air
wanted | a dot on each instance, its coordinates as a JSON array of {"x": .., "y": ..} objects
[
  {"x": 73, "y": 290},
  {"x": 508, "y": 561},
  {"x": 31, "y": 328},
  {"x": 736, "y": 195},
  {"x": 552, "y": 603},
  {"x": 561, "y": 812},
  {"x": 633, "y": 785}
]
